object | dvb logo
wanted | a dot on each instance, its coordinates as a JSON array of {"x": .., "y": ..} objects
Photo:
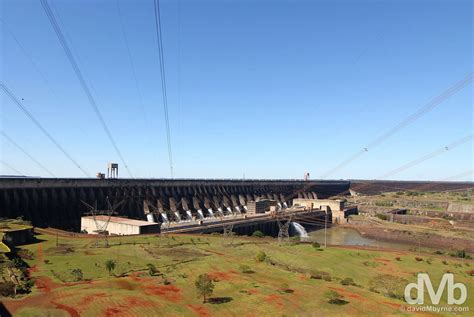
[{"x": 424, "y": 279}]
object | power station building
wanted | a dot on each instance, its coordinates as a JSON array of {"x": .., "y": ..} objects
[{"x": 118, "y": 225}]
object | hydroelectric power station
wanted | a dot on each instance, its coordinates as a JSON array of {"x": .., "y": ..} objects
[{"x": 49, "y": 202}]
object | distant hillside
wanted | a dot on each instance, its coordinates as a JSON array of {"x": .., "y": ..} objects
[{"x": 374, "y": 187}]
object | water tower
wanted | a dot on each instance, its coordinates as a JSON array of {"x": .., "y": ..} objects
[{"x": 112, "y": 170}]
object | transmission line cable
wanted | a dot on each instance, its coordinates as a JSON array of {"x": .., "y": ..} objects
[
  {"x": 82, "y": 81},
  {"x": 163, "y": 80},
  {"x": 132, "y": 64},
  {"x": 460, "y": 175},
  {"x": 426, "y": 157},
  {"x": 407, "y": 121},
  {"x": 40, "y": 126},
  {"x": 6, "y": 136},
  {"x": 11, "y": 167},
  {"x": 30, "y": 58}
]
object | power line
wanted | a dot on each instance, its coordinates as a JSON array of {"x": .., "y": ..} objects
[
  {"x": 11, "y": 167},
  {"x": 82, "y": 81},
  {"x": 437, "y": 152},
  {"x": 28, "y": 56},
  {"x": 163, "y": 80},
  {"x": 26, "y": 153},
  {"x": 132, "y": 64},
  {"x": 460, "y": 175},
  {"x": 407, "y": 121},
  {"x": 36, "y": 122}
]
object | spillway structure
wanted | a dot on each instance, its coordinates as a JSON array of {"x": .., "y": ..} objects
[{"x": 51, "y": 202}]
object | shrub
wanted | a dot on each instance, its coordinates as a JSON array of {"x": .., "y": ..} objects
[
  {"x": 285, "y": 288},
  {"x": 335, "y": 298},
  {"x": 261, "y": 256},
  {"x": 398, "y": 258},
  {"x": 445, "y": 262},
  {"x": 152, "y": 270},
  {"x": 381, "y": 216},
  {"x": 245, "y": 269},
  {"x": 418, "y": 259},
  {"x": 258, "y": 234},
  {"x": 439, "y": 252},
  {"x": 77, "y": 275},
  {"x": 348, "y": 281},
  {"x": 315, "y": 245},
  {"x": 320, "y": 275},
  {"x": 471, "y": 272},
  {"x": 110, "y": 266},
  {"x": 461, "y": 254}
]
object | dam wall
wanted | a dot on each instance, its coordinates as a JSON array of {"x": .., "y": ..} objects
[{"x": 49, "y": 202}]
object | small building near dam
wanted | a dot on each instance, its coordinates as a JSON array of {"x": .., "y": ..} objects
[
  {"x": 338, "y": 208},
  {"x": 118, "y": 225}
]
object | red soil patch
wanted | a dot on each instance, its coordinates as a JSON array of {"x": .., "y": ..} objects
[
  {"x": 109, "y": 312},
  {"x": 276, "y": 299},
  {"x": 222, "y": 276},
  {"x": 130, "y": 302},
  {"x": 87, "y": 300},
  {"x": 337, "y": 289},
  {"x": 383, "y": 260},
  {"x": 392, "y": 305},
  {"x": 137, "y": 277},
  {"x": 71, "y": 311},
  {"x": 200, "y": 310},
  {"x": 39, "y": 253},
  {"x": 349, "y": 294},
  {"x": 169, "y": 292},
  {"x": 124, "y": 284},
  {"x": 32, "y": 269},
  {"x": 45, "y": 284}
]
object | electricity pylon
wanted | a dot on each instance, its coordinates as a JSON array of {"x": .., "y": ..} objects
[{"x": 102, "y": 220}]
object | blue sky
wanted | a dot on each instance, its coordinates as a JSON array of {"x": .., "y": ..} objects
[{"x": 271, "y": 89}]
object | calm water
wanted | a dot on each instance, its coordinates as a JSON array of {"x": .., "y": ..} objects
[{"x": 348, "y": 236}]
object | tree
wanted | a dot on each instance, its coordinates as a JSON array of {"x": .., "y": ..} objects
[
  {"x": 110, "y": 265},
  {"x": 204, "y": 286}
]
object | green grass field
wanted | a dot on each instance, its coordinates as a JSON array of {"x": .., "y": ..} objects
[{"x": 284, "y": 285}]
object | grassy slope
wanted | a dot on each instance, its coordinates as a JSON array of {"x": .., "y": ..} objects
[{"x": 259, "y": 293}]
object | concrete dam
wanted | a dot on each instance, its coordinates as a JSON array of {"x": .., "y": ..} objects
[{"x": 49, "y": 202}]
